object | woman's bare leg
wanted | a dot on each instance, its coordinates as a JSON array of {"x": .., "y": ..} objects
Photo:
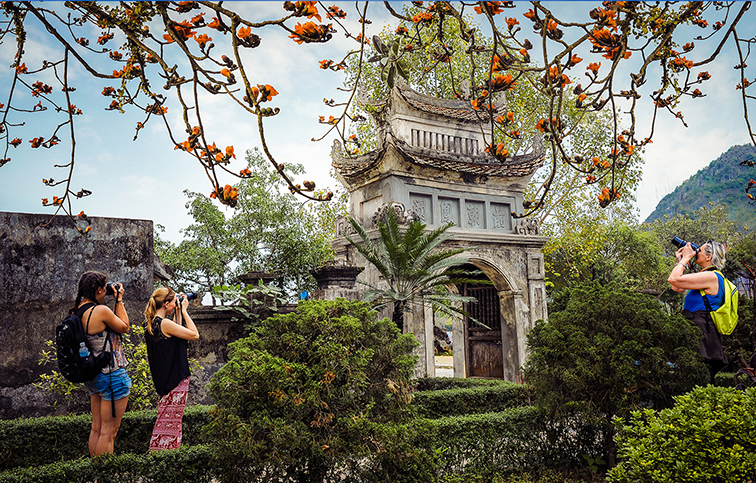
[{"x": 109, "y": 425}]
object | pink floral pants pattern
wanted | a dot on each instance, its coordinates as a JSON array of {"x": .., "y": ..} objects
[{"x": 167, "y": 432}]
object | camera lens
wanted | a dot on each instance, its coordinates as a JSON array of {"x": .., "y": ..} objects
[{"x": 679, "y": 243}]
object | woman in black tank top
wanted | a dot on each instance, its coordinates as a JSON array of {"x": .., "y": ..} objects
[{"x": 168, "y": 327}]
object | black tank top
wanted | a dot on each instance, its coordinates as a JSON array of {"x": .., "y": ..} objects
[{"x": 167, "y": 355}]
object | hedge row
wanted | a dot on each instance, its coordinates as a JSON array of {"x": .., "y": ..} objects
[
  {"x": 66, "y": 437},
  {"x": 472, "y": 400},
  {"x": 441, "y": 383},
  {"x": 513, "y": 439},
  {"x": 192, "y": 464},
  {"x": 510, "y": 440}
]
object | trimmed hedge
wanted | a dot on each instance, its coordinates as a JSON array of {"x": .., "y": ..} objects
[
  {"x": 515, "y": 439},
  {"x": 192, "y": 464},
  {"x": 472, "y": 400},
  {"x": 66, "y": 437},
  {"x": 483, "y": 444},
  {"x": 441, "y": 383}
]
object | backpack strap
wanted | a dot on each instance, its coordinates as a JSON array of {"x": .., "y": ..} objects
[{"x": 706, "y": 297}]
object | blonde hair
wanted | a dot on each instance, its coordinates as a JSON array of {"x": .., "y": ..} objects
[
  {"x": 160, "y": 297},
  {"x": 718, "y": 253}
]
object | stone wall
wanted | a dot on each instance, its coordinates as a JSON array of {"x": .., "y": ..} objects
[{"x": 40, "y": 267}]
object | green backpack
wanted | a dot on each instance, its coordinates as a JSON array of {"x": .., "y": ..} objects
[{"x": 725, "y": 317}]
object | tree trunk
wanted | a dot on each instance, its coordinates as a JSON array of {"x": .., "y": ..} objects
[{"x": 398, "y": 316}]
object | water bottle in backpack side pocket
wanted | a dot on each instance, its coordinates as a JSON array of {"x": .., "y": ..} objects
[{"x": 83, "y": 351}]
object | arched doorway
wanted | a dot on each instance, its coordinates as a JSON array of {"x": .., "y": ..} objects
[{"x": 484, "y": 355}]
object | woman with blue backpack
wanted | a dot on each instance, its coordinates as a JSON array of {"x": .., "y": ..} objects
[
  {"x": 109, "y": 390},
  {"x": 706, "y": 294}
]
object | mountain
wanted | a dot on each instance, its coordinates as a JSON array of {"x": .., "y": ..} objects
[{"x": 722, "y": 181}]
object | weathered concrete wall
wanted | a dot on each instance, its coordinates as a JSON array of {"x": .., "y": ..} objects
[{"x": 40, "y": 269}]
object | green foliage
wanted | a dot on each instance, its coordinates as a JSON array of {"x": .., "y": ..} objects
[
  {"x": 269, "y": 230},
  {"x": 415, "y": 271},
  {"x": 708, "y": 436},
  {"x": 142, "y": 396},
  {"x": 28, "y": 442},
  {"x": 305, "y": 396},
  {"x": 439, "y": 62},
  {"x": 184, "y": 465},
  {"x": 491, "y": 399},
  {"x": 606, "y": 350},
  {"x": 721, "y": 182}
]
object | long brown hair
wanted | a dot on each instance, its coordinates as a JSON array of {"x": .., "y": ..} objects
[
  {"x": 88, "y": 285},
  {"x": 160, "y": 297}
]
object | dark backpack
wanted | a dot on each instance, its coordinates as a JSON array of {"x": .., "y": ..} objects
[{"x": 68, "y": 338}]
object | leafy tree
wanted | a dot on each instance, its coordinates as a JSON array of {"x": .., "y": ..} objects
[
  {"x": 269, "y": 231},
  {"x": 447, "y": 71},
  {"x": 606, "y": 351},
  {"x": 613, "y": 252},
  {"x": 319, "y": 395},
  {"x": 196, "y": 53},
  {"x": 415, "y": 271}
]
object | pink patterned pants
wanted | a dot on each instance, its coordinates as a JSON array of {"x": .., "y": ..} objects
[{"x": 167, "y": 432}]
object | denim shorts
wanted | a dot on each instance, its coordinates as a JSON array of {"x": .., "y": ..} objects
[{"x": 118, "y": 380}]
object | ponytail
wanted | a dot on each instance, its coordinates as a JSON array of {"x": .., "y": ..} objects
[{"x": 159, "y": 298}]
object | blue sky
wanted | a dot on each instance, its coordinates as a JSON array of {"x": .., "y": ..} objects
[{"x": 144, "y": 179}]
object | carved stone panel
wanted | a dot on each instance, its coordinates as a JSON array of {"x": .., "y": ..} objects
[
  {"x": 421, "y": 205},
  {"x": 501, "y": 216},
  {"x": 448, "y": 210},
  {"x": 475, "y": 216},
  {"x": 535, "y": 266}
]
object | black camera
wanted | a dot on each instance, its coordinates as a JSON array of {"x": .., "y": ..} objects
[
  {"x": 679, "y": 243},
  {"x": 111, "y": 288},
  {"x": 189, "y": 296}
]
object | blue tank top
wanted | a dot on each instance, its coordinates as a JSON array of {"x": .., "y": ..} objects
[{"x": 694, "y": 301}]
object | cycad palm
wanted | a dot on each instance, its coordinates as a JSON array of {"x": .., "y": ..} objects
[{"x": 416, "y": 273}]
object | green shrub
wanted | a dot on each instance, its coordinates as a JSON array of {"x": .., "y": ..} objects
[
  {"x": 485, "y": 399},
  {"x": 708, "y": 436},
  {"x": 39, "y": 441},
  {"x": 309, "y": 395},
  {"x": 441, "y": 383},
  {"x": 184, "y": 465},
  {"x": 606, "y": 351}
]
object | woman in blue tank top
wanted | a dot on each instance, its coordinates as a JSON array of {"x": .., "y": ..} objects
[{"x": 709, "y": 257}]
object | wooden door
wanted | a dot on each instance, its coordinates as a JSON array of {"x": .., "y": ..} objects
[{"x": 484, "y": 355}]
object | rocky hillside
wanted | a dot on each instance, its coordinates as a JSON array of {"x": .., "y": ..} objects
[{"x": 722, "y": 181}]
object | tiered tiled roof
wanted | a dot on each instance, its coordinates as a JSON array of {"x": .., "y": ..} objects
[
  {"x": 483, "y": 164},
  {"x": 455, "y": 109},
  {"x": 353, "y": 166},
  {"x": 514, "y": 167}
]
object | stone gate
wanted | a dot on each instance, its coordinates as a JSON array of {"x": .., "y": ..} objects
[{"x": 431, "y": 164}]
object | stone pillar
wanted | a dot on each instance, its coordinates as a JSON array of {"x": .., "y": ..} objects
[
  {"x": 511, "y": 331},
  {"x": 458, "y": 347},
  {"x": 336, "y": 281},
  {"x": 430, "y": 339}
]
